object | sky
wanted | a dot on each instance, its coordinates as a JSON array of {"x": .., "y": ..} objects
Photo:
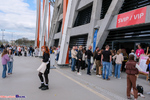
[{"x": 18, "y": 18}]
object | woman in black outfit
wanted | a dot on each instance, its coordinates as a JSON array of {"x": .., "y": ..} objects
[
  {"x": 79, "y": 58},
  {"x": 46, "y": 56}
]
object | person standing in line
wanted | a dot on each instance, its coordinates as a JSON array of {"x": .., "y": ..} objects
[
  {"x": 132, "y": 73},
  {"x": 106, "y": 59},
  {"x": 89, "y": 54},
  {"x": 83, "y": 60},
  {"x": 98, "y": 64},
  {"x": 10, "y": 63},
  {"x": 132, "y": 53},
  {"x": 46, "y": 56},
  {"x": 31, "y": 51},
  {"x": 138, "y": 52},
  {"x": 74, "y": 57},
  {"x": 5, "y": 59},
  {"x": 58, "y": 51},
  {"x": 110, "y": 67},
  {"x": 119, "y": 59},
  {"x": 79, "y": 57},
  {"x": 94, "y": 54},
  {"x": 36, "y": 52}
]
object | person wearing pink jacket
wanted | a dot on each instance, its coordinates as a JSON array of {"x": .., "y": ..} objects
[
  {"x": 5, "y": 59},
  {"x": 138, "y": 52}
]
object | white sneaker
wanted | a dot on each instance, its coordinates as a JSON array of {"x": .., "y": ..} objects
[
  {"x": 119, "y": 78},
  {"x": 97, "y": 75},
  {"x": 100, "y": 75},
  {"x": 79, "y": 74},
  {"x": 115, "y": 77}
]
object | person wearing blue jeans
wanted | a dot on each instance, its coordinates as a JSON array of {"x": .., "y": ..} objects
[
  {"x": 119, "y": 59},
  {"x": 106, "y": 66},
  {"x": 10, "y": 63},
  {"x": 117, "y": 70},
  {"x": 89, "y": 54},
  {"x": 106, "y": 59},
  {"x": 74, "y": 56}
]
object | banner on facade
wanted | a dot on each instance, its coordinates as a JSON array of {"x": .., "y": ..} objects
[
  {"x": 134, "y": 17},
  {"x": 94, "y": 40}
]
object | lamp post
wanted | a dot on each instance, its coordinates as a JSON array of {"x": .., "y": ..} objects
[{"x": 2, "y": 34}]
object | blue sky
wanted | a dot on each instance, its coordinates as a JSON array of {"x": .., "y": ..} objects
[{"x": 18, "y": 17}]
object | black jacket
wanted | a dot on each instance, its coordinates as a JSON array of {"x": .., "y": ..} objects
[
  {"x": 46, "y": 57},
  {"x": 79, "y": 55},
  {"x": 89, "y": 54}
]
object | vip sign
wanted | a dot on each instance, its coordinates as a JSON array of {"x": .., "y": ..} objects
[{"x": 132, "y": 17}]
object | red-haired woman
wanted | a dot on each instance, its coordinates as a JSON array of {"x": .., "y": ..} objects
[{"x": 44, "y": 69}]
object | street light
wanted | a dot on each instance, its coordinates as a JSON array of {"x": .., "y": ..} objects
[{"x": 2, "y": 34}]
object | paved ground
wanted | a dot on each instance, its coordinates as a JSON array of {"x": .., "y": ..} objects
[{"x": 64, "y": 84}]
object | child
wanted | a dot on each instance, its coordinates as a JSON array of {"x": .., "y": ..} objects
[
  {"x": 10, "y": 63},
  {"x": 5, "y": 59}
]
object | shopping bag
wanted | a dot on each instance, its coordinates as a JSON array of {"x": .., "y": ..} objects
[{"x": 42, "y": 67}]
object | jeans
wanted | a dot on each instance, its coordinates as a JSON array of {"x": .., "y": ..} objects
[
  {"x": 110, "y": 69},
  {"x": 31, "y": 53},
  {"x": 73, "y": 64},
  {"x": 117, "y": 70},
  {"x": 4, "y": 71},
  {"x": 89, "y": 66},
  {"x": 57, "y": 57},
  {"x": 10, "y": 67},
  {"x": 106, "y": 66}
]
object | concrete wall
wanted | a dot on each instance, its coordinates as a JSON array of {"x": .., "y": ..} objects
[{"x": 84, "y": 3}]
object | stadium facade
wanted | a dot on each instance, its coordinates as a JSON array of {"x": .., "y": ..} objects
[{"x": 118, "y": 23}]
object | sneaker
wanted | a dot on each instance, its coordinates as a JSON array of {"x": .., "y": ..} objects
[
  {"x": 115, "y": 77},
  {"x": 89, "y": 74},
  {"x": 42, "y": 85},
  {"x": 108, "y": 79},
  {"x": 100, "y": 75},
  {"x": 129, "y": 98},
  {"x": 97, "y": 75},
  {"x": 119, "y": 78},
  {"x": 79, "y": 74},
  {"x": 45, "y": 88}
]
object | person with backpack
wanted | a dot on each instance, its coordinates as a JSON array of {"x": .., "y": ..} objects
[
  {"x": 10, "y": 63},
  {"x": 119, "y": 59},
  {"x": 132, "y": 73},
  {"x": 5, "y": 59},
  {"x": 44, "y": 68}
]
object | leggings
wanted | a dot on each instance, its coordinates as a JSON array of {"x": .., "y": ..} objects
[{"x": 41, "y": 77}]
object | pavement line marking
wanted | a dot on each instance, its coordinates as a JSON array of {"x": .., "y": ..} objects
[{"x": 84, "y": 86}]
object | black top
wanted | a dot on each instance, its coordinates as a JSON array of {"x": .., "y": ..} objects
[
  {"x": 79, "y": 55},
  {"x": 46, "y": 57},
  {"x": 89, "y": 54},
  {"x": 106, "y": 56},
  {"x": 97, "y": 57}
]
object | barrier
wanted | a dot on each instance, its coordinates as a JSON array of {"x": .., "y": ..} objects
[{"x": 52, "y": 61}]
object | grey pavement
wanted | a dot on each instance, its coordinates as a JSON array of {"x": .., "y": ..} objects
[{"x": 63, "y": 84}]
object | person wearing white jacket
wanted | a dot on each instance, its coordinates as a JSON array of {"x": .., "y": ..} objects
[{"x": 119, "y": 59}]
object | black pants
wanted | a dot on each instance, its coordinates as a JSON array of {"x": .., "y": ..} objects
[
  {"x": 19, "y": 53},
  {"x": 79, "y": 65},
  {"x": 83, "y": 65},
  {"x": 41, "y": 77}
]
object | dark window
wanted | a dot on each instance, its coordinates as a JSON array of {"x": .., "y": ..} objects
[
  {"x": 83, "y": 17},
  {"x": 133, "y": 4},
  {"x": 133, "y": 34},
  {"x": 78, "y": 40},
  {"x": 56, "y": 42},
  {"x": 105, "y": 6},
  {"x": 59, "y": 27}
]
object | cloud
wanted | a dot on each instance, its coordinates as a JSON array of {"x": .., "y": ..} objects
[{"x": 17, "y": 17}]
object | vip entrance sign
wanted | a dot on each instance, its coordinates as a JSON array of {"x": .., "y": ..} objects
[{"x": 134, "y": 17}]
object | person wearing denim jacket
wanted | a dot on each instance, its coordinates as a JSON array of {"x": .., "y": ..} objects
[
  {"x": 10, "y": 63},
  {"x": 5, "y": 59}
]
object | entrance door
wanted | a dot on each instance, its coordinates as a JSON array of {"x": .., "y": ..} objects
[{"x": 128, "y": 46}]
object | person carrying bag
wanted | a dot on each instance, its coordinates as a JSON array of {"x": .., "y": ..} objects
[{"x": 44, "y": 68}]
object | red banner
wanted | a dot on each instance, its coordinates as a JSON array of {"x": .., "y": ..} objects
[{"x": 132, "y": 17}]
